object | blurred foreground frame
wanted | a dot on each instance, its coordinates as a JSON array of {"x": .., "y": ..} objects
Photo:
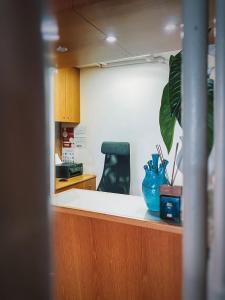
[{"x": 24, "y": 228}]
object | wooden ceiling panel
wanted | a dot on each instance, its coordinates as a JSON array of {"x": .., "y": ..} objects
[
  {"x": 86, "y": 56},
  {"x": 86, "y": 44},
  {"x": 60, "y": 5},
  {"x": 74, "y": 32},
  {"x": 139, "y": 26}
]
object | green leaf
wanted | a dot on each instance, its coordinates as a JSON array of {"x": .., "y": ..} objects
[
  {"x": 171, "y": 60},
  {"x": 172, "y": 95},
  {"x": 166, "y": 119},
  {"x": 175, "y": 86}
]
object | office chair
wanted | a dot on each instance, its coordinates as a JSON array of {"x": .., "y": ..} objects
[{"x": 116, "y": 172}]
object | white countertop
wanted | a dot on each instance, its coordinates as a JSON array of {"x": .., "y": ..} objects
[{"x": 119, "y": 205}]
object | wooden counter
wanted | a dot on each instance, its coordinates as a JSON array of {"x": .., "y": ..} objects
[
  {"x": 84, "y": 181},
  {"x": 107, "y": 246}
]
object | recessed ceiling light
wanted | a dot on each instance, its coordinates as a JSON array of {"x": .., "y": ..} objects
[
  {"x": 170, "y": 27},
  {"x": 62, "y": 49},
  {"x": 111, "y": 39}
]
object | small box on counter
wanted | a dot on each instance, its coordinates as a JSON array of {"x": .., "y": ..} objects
[{"x": 170, "y": 203}]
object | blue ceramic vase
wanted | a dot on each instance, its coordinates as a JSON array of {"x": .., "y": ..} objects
[{"x": 154, "y": 177}]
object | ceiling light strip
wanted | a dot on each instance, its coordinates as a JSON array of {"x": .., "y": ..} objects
[{"x": 142, "y": 59}]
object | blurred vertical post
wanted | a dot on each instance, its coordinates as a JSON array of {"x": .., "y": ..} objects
[
  {"x": 195, "y": 17},
  {"x": 217, "y": 256},
  {"x": 24, "y": 176}
]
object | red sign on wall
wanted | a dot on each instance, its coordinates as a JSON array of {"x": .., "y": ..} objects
[{"x": 68, "y": 137}]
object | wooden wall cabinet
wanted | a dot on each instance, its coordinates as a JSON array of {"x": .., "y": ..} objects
[{"x": 67, "y": 95}]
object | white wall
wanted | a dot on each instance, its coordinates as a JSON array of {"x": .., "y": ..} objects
[{"x": 122, "y": 104}]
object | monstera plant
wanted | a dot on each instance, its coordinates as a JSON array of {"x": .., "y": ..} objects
[{"x": 170, "y": 110}]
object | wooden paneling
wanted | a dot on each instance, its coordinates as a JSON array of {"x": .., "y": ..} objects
[
  {"x": 90, "y": 184},
  {"x": 86, "y": 182},
  {"x": 101, "y": 259},
  {"x": 73, "y": 95},
  {"x": 67, "y": 95},
  {"x": 138, "y": 25},
  {"x": 60, "y": 95},
  {"x": 146, "y": 223}
]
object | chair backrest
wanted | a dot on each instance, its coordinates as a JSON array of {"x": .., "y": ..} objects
[{"x": 116, "y": 172}]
